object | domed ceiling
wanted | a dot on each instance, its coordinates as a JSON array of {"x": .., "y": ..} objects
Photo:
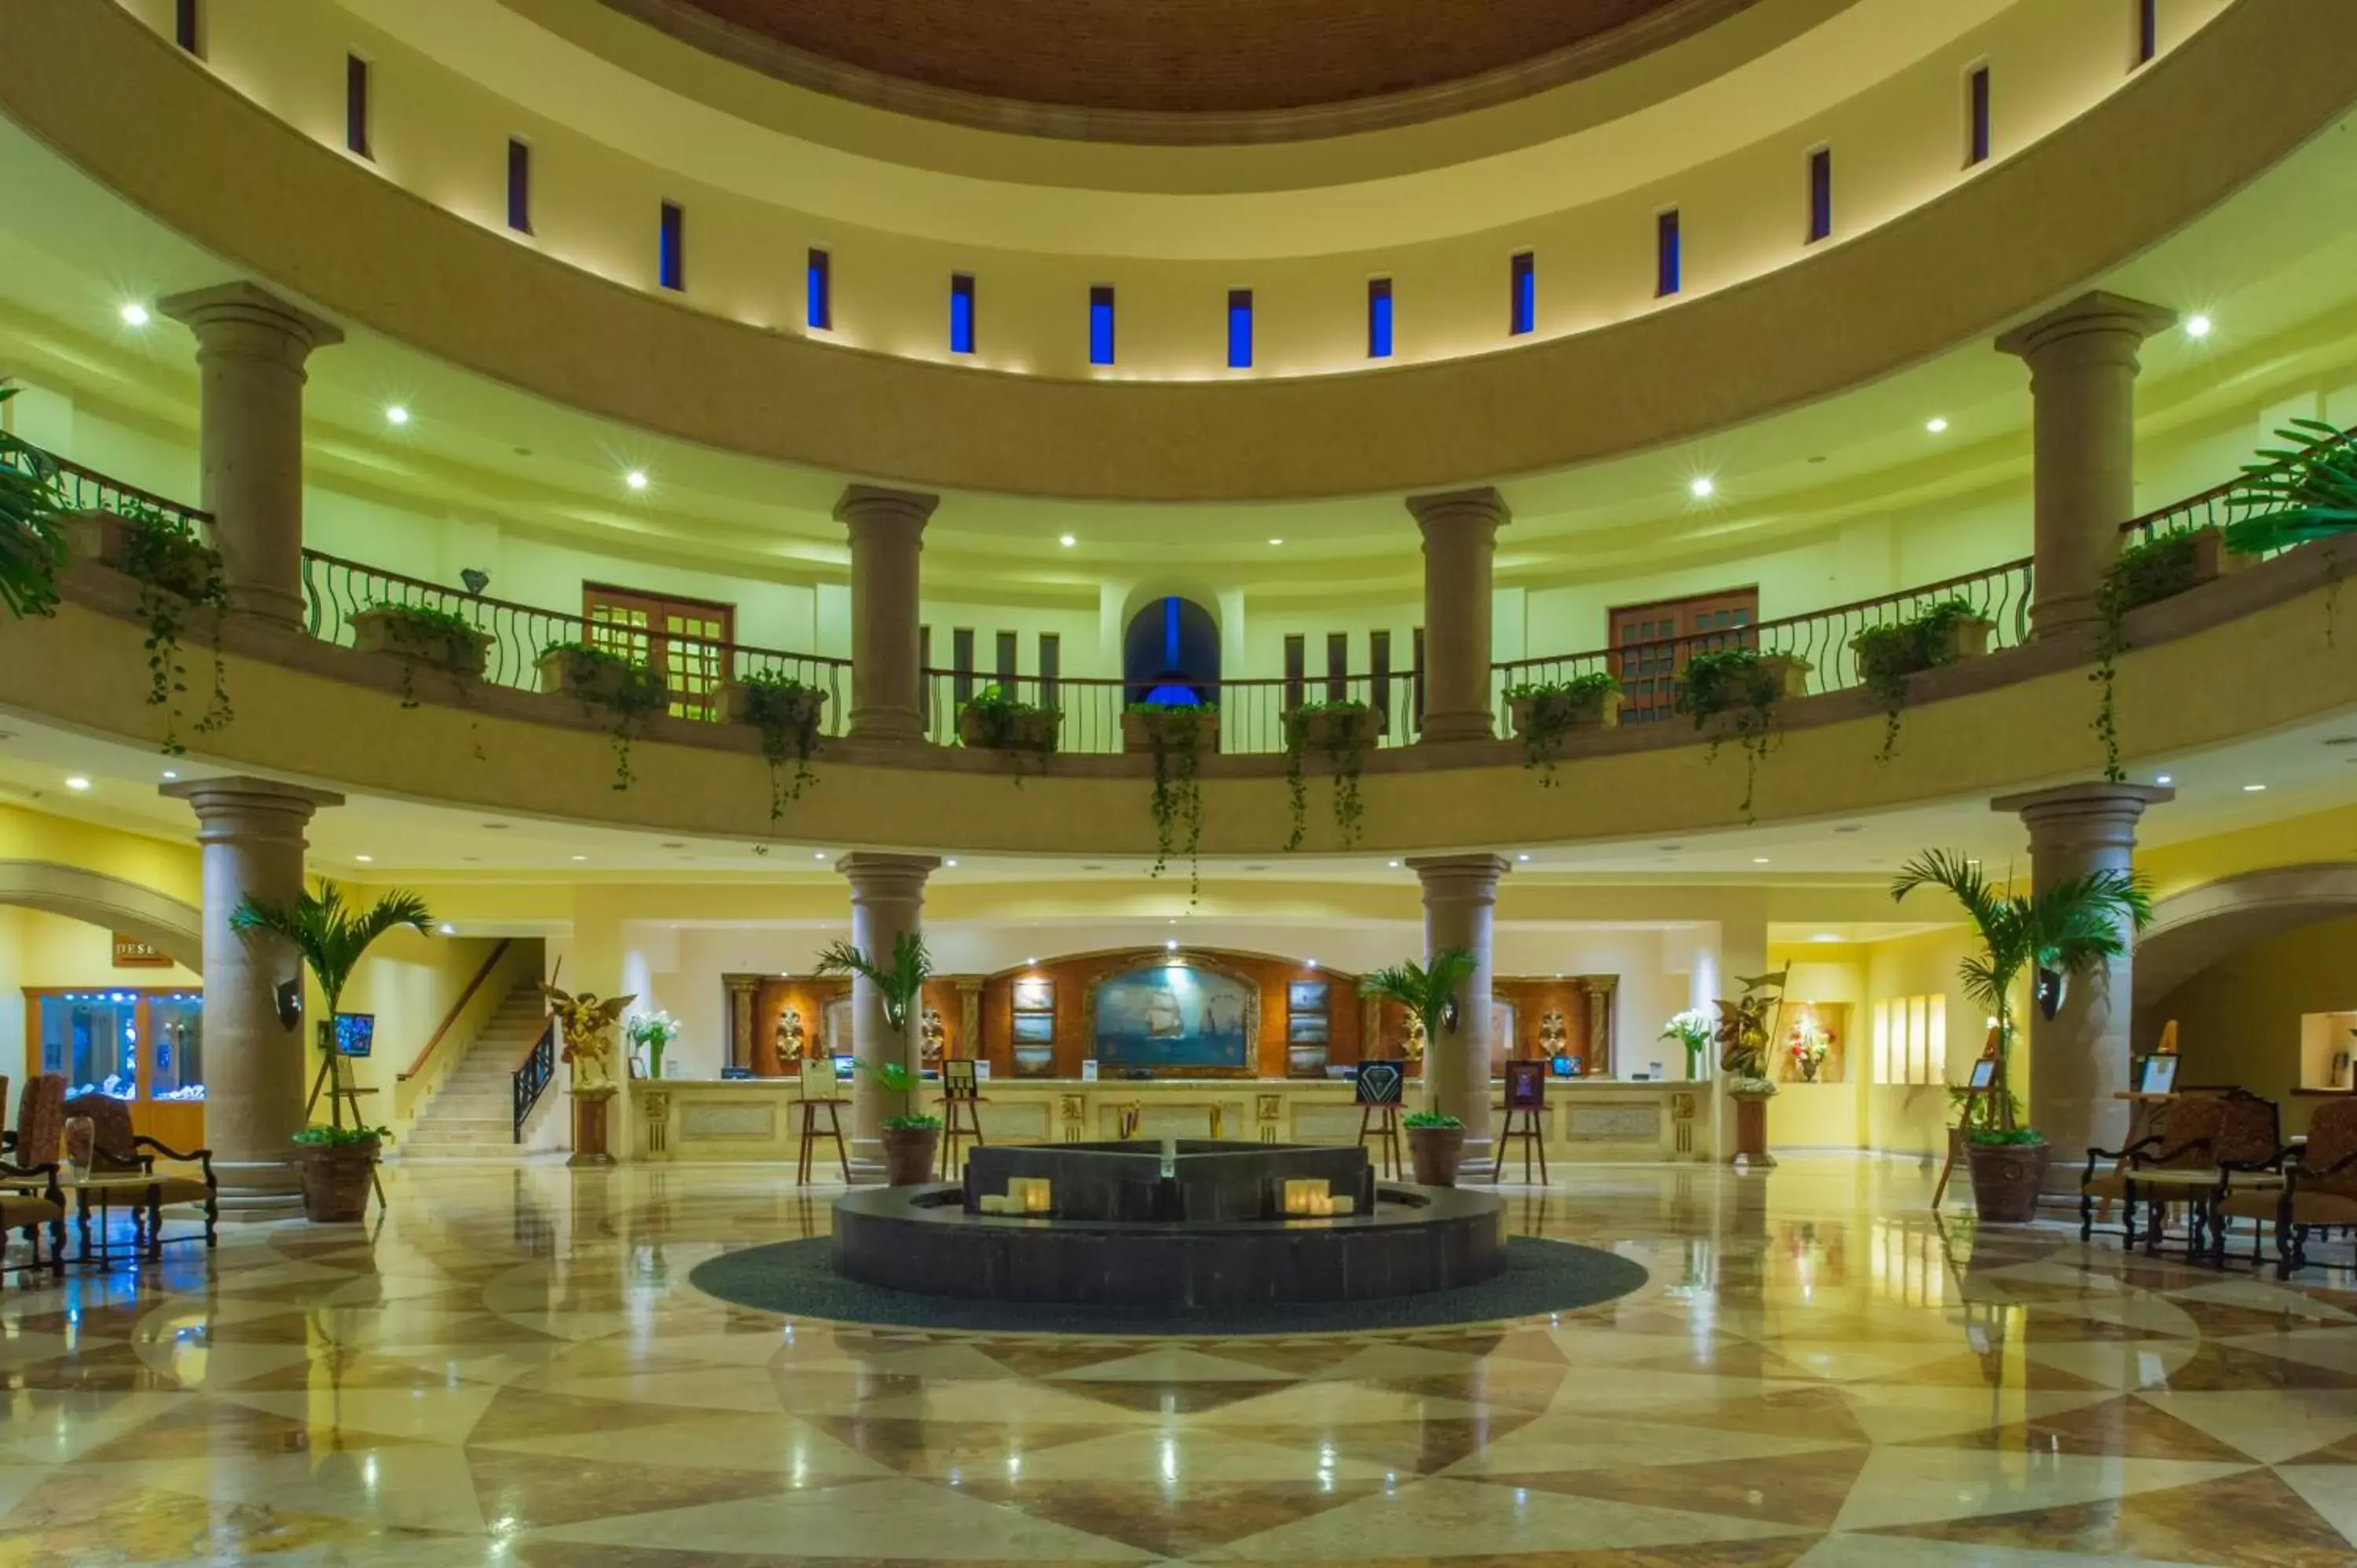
[{"x": 1175, "y": 57}]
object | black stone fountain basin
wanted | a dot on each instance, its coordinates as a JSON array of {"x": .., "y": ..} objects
[{"x": 1170, "y": 1180}]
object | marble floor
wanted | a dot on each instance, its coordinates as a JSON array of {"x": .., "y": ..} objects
[{"x": 511, "y": 1368}]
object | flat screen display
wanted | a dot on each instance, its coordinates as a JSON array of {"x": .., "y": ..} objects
[{"x": 355, "y": 1034}]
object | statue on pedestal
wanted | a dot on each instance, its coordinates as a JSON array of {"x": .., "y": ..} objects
[
  {"x": 792, "y": 1041},
  {"x": 585, "y": 1023},
  {"x": 1412, "y": 1046},
  {"x": 935, "y": 1037}
]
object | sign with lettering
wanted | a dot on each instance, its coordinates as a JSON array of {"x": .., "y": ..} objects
[{"x": 130, "y": 952}]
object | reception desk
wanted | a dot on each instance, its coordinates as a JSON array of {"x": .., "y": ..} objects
[{"x": 756, "y": 1119}]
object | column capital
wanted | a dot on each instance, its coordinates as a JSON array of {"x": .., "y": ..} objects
[
  {"x": 880, "y": 876},
  {"x": 2095, "y": 314},
  {"x": 1462, "y": 876},
  {"x": 240, "y": 803},
  {"x": 2092, "y": 801},
  {"x": 1450, "y": 511},
  {"x": 230, "y": 311},
  {"x": 874, "y": 506}
]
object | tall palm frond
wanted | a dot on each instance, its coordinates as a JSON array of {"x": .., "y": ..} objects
[
  {"x": 2302, "y": 492},
  {"x": 328, "y": 932},
  {"x": 32, "y": 532},
  {"x": 1425, "y": 992},
  {"x": 899, "y": 985}
]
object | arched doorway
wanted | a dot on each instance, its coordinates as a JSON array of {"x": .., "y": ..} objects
[{"x": 1170, "y": 654}]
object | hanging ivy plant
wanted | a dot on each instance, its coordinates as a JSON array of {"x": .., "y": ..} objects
[
  {"x": 1174, "y": 735},
  {"x": 32, "y": 533},
  {"x": 786, "y": 712},
  {"x": 1742, "y": 684},
  {"x": 629, "y": 690},
  {"x": 423, "y": 634},
  {"x": 1887, "y": 655},
  {"x": 2143, "y": 574},
  {"x": 1342, "y": 732},
  {"x": 1546, "y": 711},
  {"x": 996, "y": 720},
  {"x": 177, "y": 572}
]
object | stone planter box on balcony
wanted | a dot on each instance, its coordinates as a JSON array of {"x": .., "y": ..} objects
[
  {"x": 1171, "y": 726},
  {"x": 105, "y": 537},
  {"x": 1336, "y": 729},
  {"x": 1031, "y": 731},
  {"x": 1560, "y": 713},
  {"x": 2213, "y": 560},
  {"x": 1790, "y": 674},
  {"x": 594, "y": 681},
  {"x": 382, "y": 629},
  {"x": 794, "y": 710},
  {"x": 1966, "y": 638}
]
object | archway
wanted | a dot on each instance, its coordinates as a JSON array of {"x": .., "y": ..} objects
[
  {"x": 1170, "y": 654},
  {"x": 171, "y": 928}
]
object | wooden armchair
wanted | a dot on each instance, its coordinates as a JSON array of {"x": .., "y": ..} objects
[
  {"x": 40, "y": 1122},
  {"x": 116, "y": 1150},
  {"x": 2320, "y": 1186},
  {"x": 30, "y": 1202},
  {"x": 2185, "y": 1139}
]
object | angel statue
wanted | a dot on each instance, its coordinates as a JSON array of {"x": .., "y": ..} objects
[
  {"x": 1412, "y": 1044},
  {"x": 934, "y": 1036},
  {"x": 585, "y": 1023},
  {"x": 1745, "y": 1027},
  {"x": 791, "y": 1040}
]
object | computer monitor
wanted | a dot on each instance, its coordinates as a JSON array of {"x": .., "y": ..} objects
[
  {"x": 842, "y": 1068},
  {"x": 355, "y": 1034}
]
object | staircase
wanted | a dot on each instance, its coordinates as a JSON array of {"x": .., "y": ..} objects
[{"x": 472, "y": 1114}]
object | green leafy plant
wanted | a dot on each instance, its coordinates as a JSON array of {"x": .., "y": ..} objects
[
  {"x": 1694, "y": 1029},
  {"x": 176, "y": 571},
  {"x": 1887, "y": 655},
  {"x": 630, "y": 690},
  {"x": 786, "y": 712},
  {"x": 32, "y": 530},
  {"x": 341, "y": 1138},
  {"x": 995, "y": 719},
  {"x": 1345, "y": 730},
  {"x": 2303, "y": 491},
  {"x": 899, "y": 984},
  {"x": 1975, "y": 1110},
  {"x": 329, "y": 935},
  {"x": 444, "y": 637},
  {"x": 1416, "y": 1121},
  {"x": 899, "y": 1083},
  {"x": 1428, "y": 993},
  {"x": 2071, "y": 930},
  {"x": 2142, "y": 573},
  {"x": 1174, "y": 735},
  {"x": 1737, "y": 682},
  {"x": 1553, "y": 709}
]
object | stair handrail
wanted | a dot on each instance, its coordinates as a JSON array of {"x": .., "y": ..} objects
[
  {"x": 533, "y": 1074},
  {"x": 451, "y": 1019}
]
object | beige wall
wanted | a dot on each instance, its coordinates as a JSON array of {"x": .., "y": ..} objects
[{"x": 2239, "y": 1020}]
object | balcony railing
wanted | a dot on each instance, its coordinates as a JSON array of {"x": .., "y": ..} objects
[
  {"x": 1252, "y": 711},
  {"x": 2244, "y": 495}
]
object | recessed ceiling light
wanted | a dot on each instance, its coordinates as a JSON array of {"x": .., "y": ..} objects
[
  {"x": 1758, "y": 860},
  {"x": 636, "y": 478},
  {"x": 950, "y": 862},
  {"x": 1936, "y": 426},
  {"x": 2253, "y": 789},
  {"x": 1171, "y": 946},
  {"x": 1826, "y": 937},
  {"x": 396, "y": 415},
  {"x": 2161, "y": 778},
  {"x": 1521, "y": 857},
  {"x": 365, "y": 859},
  {"x": 1276, "y": 542},
  {"x": 448, "y": 930},
  {"x": 1849, "y": 827},
  {"x": 171, "y": 773},
  {"x": 77, "y": 782},
  {"x": 1066, "y": 540},
  {"x": 818, "y": 854},
  {"x": 1702, "y": 487},
  {"x": 2197, "y": 327},
  {"x": 580, "y": 857},
  {"x": 1392, "y": 863},
  {"x": 134, "y": 315},
  {"x": 1032, "y": 960}
]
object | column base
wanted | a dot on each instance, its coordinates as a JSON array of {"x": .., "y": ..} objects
[
  {"x": 1445, "y": 727},
  {"x": 258, "y": 1189},
  {"x": 2062, "y": 617},
  {"x": 890, "y": 725}
]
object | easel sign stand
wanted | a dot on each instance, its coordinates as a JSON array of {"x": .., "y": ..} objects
[
  {"x": 335, "y": 1076},
  {"x": 1980, "y": 1104}
]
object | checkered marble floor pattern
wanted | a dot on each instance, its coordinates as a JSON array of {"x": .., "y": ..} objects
[{"x": 511, "y": 1368}]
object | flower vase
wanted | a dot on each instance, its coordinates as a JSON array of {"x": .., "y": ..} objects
[
  {"x": 81, "y": 1138},
  {"x": 1808, "y": 1070},
  {"x": 654, "y": 1059}
]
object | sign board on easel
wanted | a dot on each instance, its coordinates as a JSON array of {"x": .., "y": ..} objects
[{"x": 1980, "y": 1105}]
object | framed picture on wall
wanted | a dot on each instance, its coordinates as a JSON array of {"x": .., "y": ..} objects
[
  {"x": 1034, "y": 993},
  {"x": 1305, "y": 996},
  {"x": 1306, "y": 1031},
  {"x": 1035, "y": 1028}
]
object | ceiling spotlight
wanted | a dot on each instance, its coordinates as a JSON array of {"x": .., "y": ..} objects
[
  {"x": 636, "y": 478},
  {"x": 135, "y": 315},
  {"x": 448, "y": 930},
  {"x": 365, "y": 859},
  {"x": 580, "y": 857},
  {"x": 1276, "y": 542},
  {"x": 1172, "y": 945},
  {"x": 1935, "y": 424},
  {"x": 396, "y": 415},
  {"x": 950, "y": 863},
  {"x": 818, "y": 854},
  {"x": 2247, "y": 788},
  {"x": 1311, "y": 962},
  {"x": 1066, "y": 540},
  {"x": 1033, "y": 960},
  {"x": 1826, "y": 937},
  {"x": 2161, "y": 778},
  {"x": 1393, "y": 865},
  {"x": 170, "y": 774},
  {"x": 1521, "y": 857},
  {"x": 77, "y": 782},
  {"x": 2197, "y": 327},
  {"x": 1758, "y": 860},
  {"x": 1702, "y": 486}
]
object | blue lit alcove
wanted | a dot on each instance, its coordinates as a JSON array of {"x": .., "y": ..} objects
[{"x": 1170, "y": 654}]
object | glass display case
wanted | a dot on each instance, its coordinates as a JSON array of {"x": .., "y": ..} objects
[{"x": 144, "y": 1045}]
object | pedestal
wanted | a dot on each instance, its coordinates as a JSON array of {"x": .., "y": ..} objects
[
  {"x": 1751, "y": 1133},
  {"x": 591, "y": 1112}
]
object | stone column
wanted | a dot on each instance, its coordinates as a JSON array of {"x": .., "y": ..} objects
[
  {"x": 888, "y": 531},
  {"x": 1459, "y": 893},
  {"x": 1460, "y": 539},
  {"x": 256, "y": 1068},
  {"x": 251, "y": 346},
  {"x": 744, "y": 997},
  {"x": 888, "y": 897},
  {"x": 2079, "y": 1060},
  {"x": 970, "y": 1017},
  {"x": 2083, "y": 370}
]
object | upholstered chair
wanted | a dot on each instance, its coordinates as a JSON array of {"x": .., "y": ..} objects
[
  {"x": 2320, "y": 1187},
  {"x": 115, "y": 1150}
]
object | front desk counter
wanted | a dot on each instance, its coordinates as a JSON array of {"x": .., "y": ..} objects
[{"x": 758, "y": 1119}]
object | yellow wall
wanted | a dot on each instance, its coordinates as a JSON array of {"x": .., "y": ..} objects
[
  {"x": 169, "y": 868},
  {"x": 2239, "y": 1020},
  {"x": 41, "y": 949},
  {"x": 1913, "y": 1119},
  {"x": 411, "y": 981}
]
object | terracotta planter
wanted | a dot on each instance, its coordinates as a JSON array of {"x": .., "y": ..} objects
[
  {"x": 386, "y": 630},
  {"x": 591, "y": 680},
  {"x": 1338, "y": 729},
  {"x": 336, "y": 1181},
  {"x": 799, "y": 710},
  {"x": 1138, "y": 730},
  {"x": 1030, "y": 731},
  {"x": 2007, "y": 1180},
  {"x": 1555, "y": 714},
  {"x": 1967, "y": 639},
  {"x": 2213, "y": 560},
  {"x": 908, "y": 1155},
  {"x": 105, "y": 537},
  {"x": 1751, "y": 1131},
  {"x": 1433, "y": 1154},
  {"x": 1790, "y": 672}
]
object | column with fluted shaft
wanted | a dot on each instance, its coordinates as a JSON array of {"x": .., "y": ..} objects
[
  {"x": 250, "y": 831},
  {"x": 1460, "y": 540},
  {"x": 888, "y": 897},
  {"x": 252, "y": 347},
  {"x": 1460, "y": 895},
  {"x": 888, "y": 533},
  {"x": 2079, "y": 1058},
  {"x": 2082, "y": 371}
]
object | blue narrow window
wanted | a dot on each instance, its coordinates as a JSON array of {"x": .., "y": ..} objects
[
  {"x": 184, "y": 26},
  {"x": 1523, "y": 308},
  {"x": 519, "y": 185},
  {"x": 1100, "y": 323},
  {"x": 671, "y": 255},
  {"x": 1977, "y": 111},
  {"x": 2148, "y": 30},
  {"x": 1239, "y": 329},
  {"x": 356, "y": 105},
  {"x": 961, "y": 313},
  {"x": 1821, "y": 194},
  {"x": 820, "y": 305},
  {"x": 1379, "y": 318},
  {"x": 1667, "y": 274}
]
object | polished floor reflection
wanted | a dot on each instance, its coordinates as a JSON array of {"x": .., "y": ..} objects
[{"x": 511, "y": 1368}]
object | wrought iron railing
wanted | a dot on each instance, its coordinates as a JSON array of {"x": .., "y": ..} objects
[
  {"x": 2243, "y": 496},
  {"x": 335, "y": 590},
  {"x": 533, "y": 1074},
  {"x": 1252, "y": 711},
  {"x": 1648, "y": 669},
  {"x": 86, "y": 489}
]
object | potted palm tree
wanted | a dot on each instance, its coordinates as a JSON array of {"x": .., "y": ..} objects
[
  {"x": 335, "y": 1162},
  {"x": 909, "y": 1138},
  {"x": 32, "y": 533},
  {"x": 1435, "y": 1140},
  {"x": 2065, "y": 933}
]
